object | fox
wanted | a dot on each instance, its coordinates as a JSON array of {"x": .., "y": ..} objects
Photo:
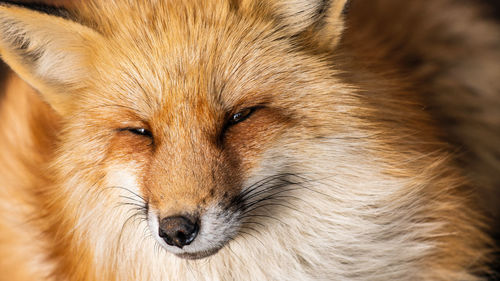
[{"x": 247, "y": 140}]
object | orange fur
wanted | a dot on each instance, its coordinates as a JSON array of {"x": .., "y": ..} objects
[{"x": 332, "y": 102}]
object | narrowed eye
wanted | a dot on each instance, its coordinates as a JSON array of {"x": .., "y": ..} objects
[
  {"x": 241, "y": 116},
  {"x": 139, "y": 131}
]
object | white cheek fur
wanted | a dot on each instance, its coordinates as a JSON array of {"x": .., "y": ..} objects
[
  {"x": 331, "y": 220},
  {"x": 123, "y": 177}
]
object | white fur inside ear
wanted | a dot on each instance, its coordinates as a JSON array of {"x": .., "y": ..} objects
[
  {"x": 61, "y": 66},
  {"x": 44, "y": 50}
]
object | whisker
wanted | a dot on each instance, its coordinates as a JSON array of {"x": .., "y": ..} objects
[
  {"x": 126, "y": 189},
  {"x": 262, "y": 216},
  {"x": 253, "y": 222},
  {"x": 250, "y": 234},
  {"x": 132, "y": 199},
  {"x": 132, "y": 217},
  {"x": 272, "y": 191},
  {"x": 270, "y": 204},
  {"x": 257, "y": 184},
  {"x": 250, "y": 203}
]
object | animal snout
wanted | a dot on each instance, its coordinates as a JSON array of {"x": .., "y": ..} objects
[{"x": 178, "y": 231}]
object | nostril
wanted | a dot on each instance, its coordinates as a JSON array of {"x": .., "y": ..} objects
[
  {"x": 178, "y": 231},
  {"x": 165, "y": 237}
]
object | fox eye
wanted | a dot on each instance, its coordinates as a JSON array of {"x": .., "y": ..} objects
[
  {"x": 241, "y": 116},
  {"x": 139, "y": 131}
]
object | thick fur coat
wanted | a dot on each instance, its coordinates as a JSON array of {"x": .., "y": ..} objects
[{"x": 305, "y": 135}]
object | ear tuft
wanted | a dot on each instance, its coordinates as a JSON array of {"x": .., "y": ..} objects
[
  {"x": 17, "y": 40},
  {"x": 320, "y": 21},
  {"x": 297, "y": 15},
  {"x": 328, "y": 31}
]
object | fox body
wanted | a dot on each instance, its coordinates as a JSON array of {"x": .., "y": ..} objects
[{"x": 234, "y": 140}]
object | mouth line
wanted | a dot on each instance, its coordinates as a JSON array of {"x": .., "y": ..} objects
[{"x": 198, "y": 255}]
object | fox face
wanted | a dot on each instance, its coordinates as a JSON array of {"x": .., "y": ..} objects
[
  {"x": 182, "y": 121},
  {"x": 240, "y": 132}
]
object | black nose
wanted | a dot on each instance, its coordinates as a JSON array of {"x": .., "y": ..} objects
[{"x": 178, "y": 230}]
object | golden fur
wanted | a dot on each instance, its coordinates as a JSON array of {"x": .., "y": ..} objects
[{"x": 361, "y": 182}]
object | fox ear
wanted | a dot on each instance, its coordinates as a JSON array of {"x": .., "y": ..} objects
[
  {"x": 49, "y": 52},
  {"x": 320, "y": 20}
]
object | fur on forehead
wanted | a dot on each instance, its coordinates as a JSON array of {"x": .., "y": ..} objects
[
  {"x": 319, "y": 19},
  {"x": 58, "y": 55}
]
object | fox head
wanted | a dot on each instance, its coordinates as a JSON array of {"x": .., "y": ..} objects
[{"x": 182, "y": 103}]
